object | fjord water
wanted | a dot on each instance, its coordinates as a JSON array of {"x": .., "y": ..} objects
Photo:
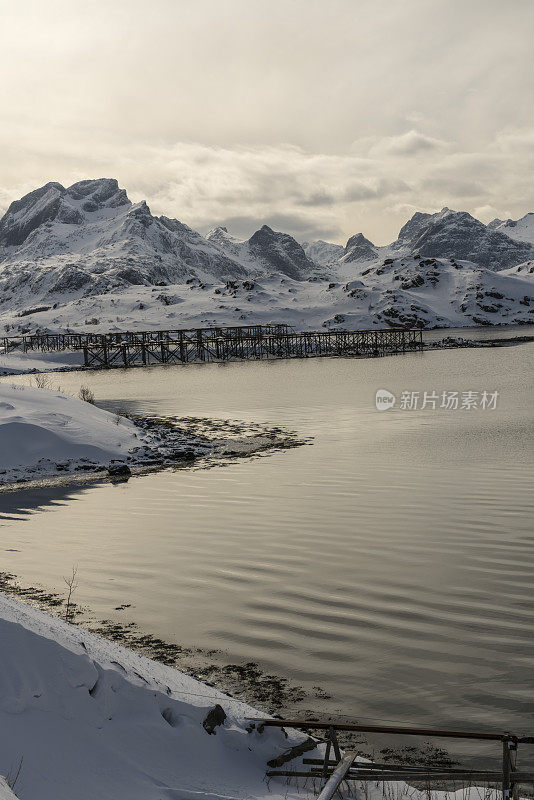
[{"x": 390, "y": 562}]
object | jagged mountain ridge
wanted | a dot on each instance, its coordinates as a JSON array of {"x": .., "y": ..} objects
[
  {"x": 266, "y": 250},
  {"x": 457, "y": 234},
  {"x": 446, "y": 234},
  {"x": 90, "y": 238},
  {"x": 87, "y": 247},
  {"x": 522, "y": 230}
]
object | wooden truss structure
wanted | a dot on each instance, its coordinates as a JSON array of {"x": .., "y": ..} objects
[
  {"x": 228, "y": 344},
  {"x": 346, "y": 767}
]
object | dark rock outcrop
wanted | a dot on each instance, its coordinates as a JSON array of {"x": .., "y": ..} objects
[{"x": 214, "y": 718}]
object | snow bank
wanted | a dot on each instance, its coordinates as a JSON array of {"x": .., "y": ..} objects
[
  {"x": 16, "y": 363},
  {"x": 93, "y": 719},
  {"x": 44, "y": 431}
]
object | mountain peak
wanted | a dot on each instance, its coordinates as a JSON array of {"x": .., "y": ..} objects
[
  {"x": 97, "y": 193},
  {"x": 32, "y": 210},
  {"x": 521, "y": 230},
  {"x": 358, "y": 248},
  {"x": 52, "y": 202},
  {"x": 280, "y": 252},
  {"x": 457, "y": 233}
]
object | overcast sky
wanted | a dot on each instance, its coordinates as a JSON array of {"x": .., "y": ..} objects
[{"x": 319, "y": 117}]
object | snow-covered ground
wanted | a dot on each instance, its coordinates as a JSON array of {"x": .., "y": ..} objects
[
  {"x": 45, "y": 432},
  {"x": 394, "y": 291},
  {"x": 85, "y": 718},
  {"x": 91, "y": 719},
  {"x": 17, "y": 362}
]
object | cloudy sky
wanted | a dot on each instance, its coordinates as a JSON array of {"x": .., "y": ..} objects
[{"x": 319, "y": 117}]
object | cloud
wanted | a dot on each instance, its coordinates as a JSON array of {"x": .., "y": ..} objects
[
  {"x": 411, "y": 143},
  {"x": 301, "y": 227},
  {"x": 335, "y": 117},
  {"x": 307, "y": 193},
  {"x": 514, "y": 139},
  {"x": 453, "y": 186}
]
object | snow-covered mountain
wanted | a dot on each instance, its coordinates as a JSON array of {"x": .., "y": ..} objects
[
  {"x": 358, "y": 248},
  {"x": 326, "y": 254},
  {"x": 394, "y": 292},
  {"x": 85, "y": 255},
  {"x": 323, "y": 253},
  {"x": 267, "y": 251},
  {"x": 456, "y": 234},
  {"x": 522, "y": 230},
  {"x": 89, "y": 237}
]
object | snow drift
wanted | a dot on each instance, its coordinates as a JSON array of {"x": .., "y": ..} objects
[
  {"x": 92, "y": 719},
  {"x": 40, "y": 429}
]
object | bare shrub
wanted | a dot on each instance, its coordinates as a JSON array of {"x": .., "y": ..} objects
[
  {"x": 42, "y": 380},
  {"x": 120, "y": 415},
  {"x": 72, "y": 585},
  {"x": 86, "y": 395}
]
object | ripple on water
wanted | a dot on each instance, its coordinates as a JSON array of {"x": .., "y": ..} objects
[{"x": 390, "y": 563}]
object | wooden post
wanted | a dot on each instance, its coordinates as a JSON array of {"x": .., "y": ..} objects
[
  {"x": 333, "y": 737},
  {"x": 507, "y": 766},
  {"x": 512, "y": 757},
  {"x": 327, "y": 758},
  {"x": 333, "y": 782}
]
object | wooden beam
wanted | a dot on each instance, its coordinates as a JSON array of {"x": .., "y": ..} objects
[
  {"x": 406, "y": 731},
  {"x": 353, "y": 774},
  {"x": 372, "y": 765},
  {"x": 333, "y": 782}
]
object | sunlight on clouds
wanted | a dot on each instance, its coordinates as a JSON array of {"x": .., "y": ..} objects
[{"x": 411, "y": 143}]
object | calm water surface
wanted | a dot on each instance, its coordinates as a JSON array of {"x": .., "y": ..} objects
[{"x": 391, "y": 562}]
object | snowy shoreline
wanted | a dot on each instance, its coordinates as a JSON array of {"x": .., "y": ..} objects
[
  {"x": 45, "y": 433},
  {"x": 47, "y": 436},
  {"x": 84, "y": 717},
  {"x": 90, "y": 718}
]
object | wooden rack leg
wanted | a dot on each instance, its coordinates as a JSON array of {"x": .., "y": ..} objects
[
  {"x": 506, "y": 769},
  {"x": 337, "y": 751},
  {"x": 327, "y": 757}
]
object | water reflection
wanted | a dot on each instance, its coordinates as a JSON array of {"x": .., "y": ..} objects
[{"x": 19, "y": 504}]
